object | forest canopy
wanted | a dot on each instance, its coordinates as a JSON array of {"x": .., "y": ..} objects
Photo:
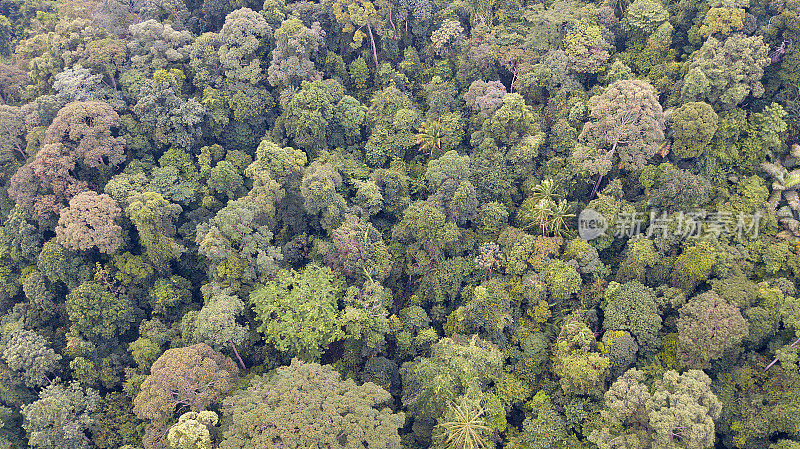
[{"x": 399, "y": 224}]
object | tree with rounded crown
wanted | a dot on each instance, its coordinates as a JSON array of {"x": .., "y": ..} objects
[
  {"x": 626, "y": 123},
  {"x": 298, "y": 311},
  {"x": 308, "y": 406},
  {"x": 191, "y": 377}
]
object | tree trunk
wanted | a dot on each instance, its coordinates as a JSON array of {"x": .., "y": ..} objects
[
  {"x": 793, "y": 345},
  {"x": 238, "y": 357},
  {"x": 372, "y": 41}
]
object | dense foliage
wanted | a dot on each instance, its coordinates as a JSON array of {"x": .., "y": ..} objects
[{"x": 531, "y": 224}]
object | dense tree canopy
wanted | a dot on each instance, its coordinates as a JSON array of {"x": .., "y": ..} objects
[
  {"x": 407, "y": 224},
  {"x": 289, "y": 406}
]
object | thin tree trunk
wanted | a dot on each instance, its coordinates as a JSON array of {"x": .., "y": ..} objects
[
  {"x": 627, "y": 118},
  {"x": 392, "y": 22},
  {"x": 597, "y": 184},
  {"x": 372, "y": 41},
  {"x": 235, "y": 351},
  {"x": 793, "y": 345}
]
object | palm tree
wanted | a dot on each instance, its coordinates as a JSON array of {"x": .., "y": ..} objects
[
  {"x": 544, "y": 191},
  {"x": 542, "y": 212},
  {"x": 558, "y": 223},
  {"x": 430, "y": 135},
  {"x": 466, "y": 428}
]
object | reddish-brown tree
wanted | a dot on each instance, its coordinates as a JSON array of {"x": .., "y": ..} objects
[{"x": 90, "y": 221}]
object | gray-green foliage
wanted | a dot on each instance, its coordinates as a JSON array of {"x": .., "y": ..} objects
[
  {"x": 307, "y": 405},
  {"x": 62, "y": 417},
  {"x": 80, "y": 84},
  {"x": 632, "y": 307},
  {"x": 216, "y": 322},
  {"x": 295, "y": 45},
  {"x": 242, "y": 38},
  {"x": 725, "y": 72},
  {"x": 679, "y": 413},
  {"x": 154, "y": 45},
  {"x": 30, "y": 354},
  {"x": 170, "y": 119}
]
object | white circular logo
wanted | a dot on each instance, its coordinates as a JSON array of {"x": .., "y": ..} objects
[{"x": 591, "y": 224}]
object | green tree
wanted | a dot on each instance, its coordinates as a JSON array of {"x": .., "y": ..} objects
[
  {"x": 645, "y": 16},
  {"x": 192, "y": 430},
  {"x": 237, "y": 241},
  {"x": 694, "y": 125},
  {"x": 169, "y": 119},
  {"x": 632, "y": 307},
  {"x": 694, "y": 265},
  {"x": 216, "y": 322},
  {"x": 155, "y": 218},
  {"x": 678, "y": 189},
  {"x": 320, "y": 115},
  {"x": 62, "y": 266},
  {"x": 394, "y": 122},
  {"x": 79, "y": 84},
  {"x": 708, "y": 325},
  {"x": 562, "y": 280},
  {"x": 283, "y": 164},
  {"x": 683, "y": 410},
  {"x": 119, "y": 426},
  {"x": 242, "y": 39},
  {"x": 289, "y": 404},
  {"x": 62, "y": 417},
  {"x": 580, "y": 367},
  {"x": 544, "y": 428},
  {"x": 295, "y": 45},
  {"x": 319, "y": 189},
  {"x": 680, "y": 413},
  {"x": 98, "y": 314},
  {"x": 176, "y": 178},
  {"x": 586, "y": 47},
  {"x": 298, "y": 311},
  {"x": 458, "y": 367},
  {"x": 155, "y": 46},
  {"x": 464, "y": 428},
  {"x": 742, "y": 58},
  {"x": 29, "y": 353},
  {"x": 353, "y": 16}
]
